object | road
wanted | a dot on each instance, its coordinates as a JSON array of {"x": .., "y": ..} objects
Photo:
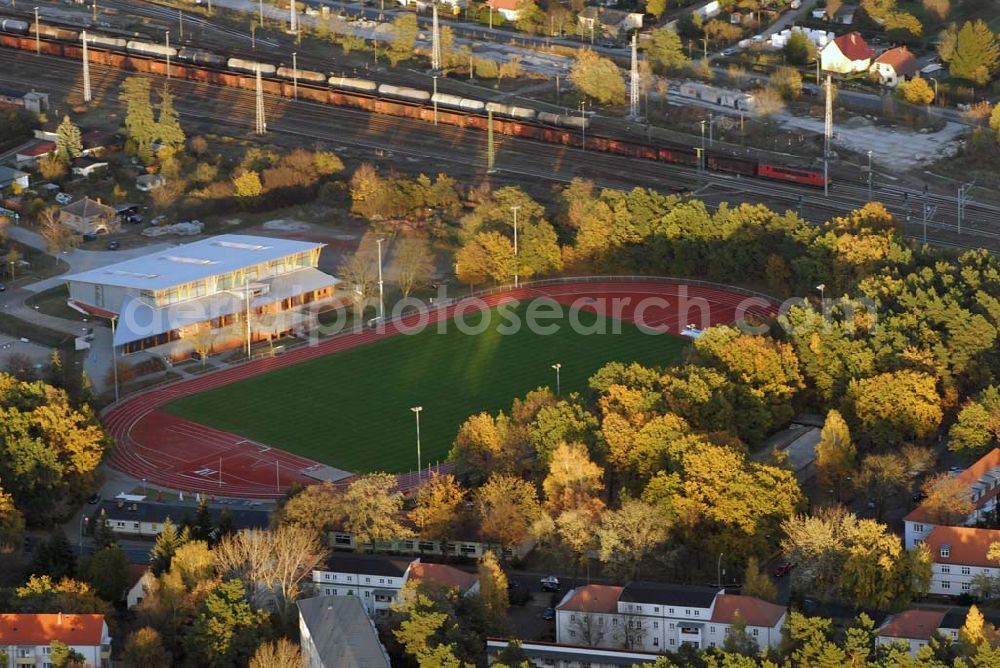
[{"x": 427, "y": 147}]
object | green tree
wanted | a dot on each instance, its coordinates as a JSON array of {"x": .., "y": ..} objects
[
  {"x": 404, "y": 36},
  {"x": 977, "y": 54},
  {"x": 978, "y": 425},
  {"x": 168, "y": 126},
  {"x": 799, "y": 49},
  {"x": 656, "y": 7},
  {"x": 63, "y": 656},
  {"x": 140, "y": 124},
  {"x": 107, "y": 573},
  {"x": 493, "y": 591},
  {"x": 916, "y": 91},
  {"x": 144, "y": 649},
  {"x": 201, "y": 526},
  {"x": 103, "y": 534},
  {"x": 894, "y": 407},
  {"x": 757, "y": 583},
  {"x": 226, "y": 630},
  {"x": 836, "y": 456},
  {"x": 11, "y": 523},
  {"x": 787, "y": 81},
  {"x": 598, "y": 77},
  {"x": 55, "y": 557},
  {"x": 69, "y": 144},
  {"x": 167, "y": 542},
  {"x": 667, "y": 50}
]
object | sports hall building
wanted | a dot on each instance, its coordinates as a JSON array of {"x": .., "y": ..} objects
[{"x": 201, "y": 295}]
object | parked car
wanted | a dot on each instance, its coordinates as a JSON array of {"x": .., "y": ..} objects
[
  {"x": 549, "y": 614},
  {"x": 114, "y": 245},
  {"x": 550, "y": 583},
  {"x": 918, "y": 497},
  {"x": 94, "y": 499},
  {"x": 783, "y": 570},
  {"x": 64, "y": 198},
  {"x": 133, "y": 218},
  {"x": 3, "y": 287}
]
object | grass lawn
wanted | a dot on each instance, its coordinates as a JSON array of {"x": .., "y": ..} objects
[{"x": 352, "y": 409}]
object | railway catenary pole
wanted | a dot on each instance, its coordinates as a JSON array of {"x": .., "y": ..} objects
[
  {"x": 827, "y": 135},
  {"x": 870, "y": 176},
  {"x": 95, "y": 10},
  {"x": 261, "y": 121},
  {"x": 633, "y": 84},
  {"x": 434, "y": 97},
  {"x": 38, "y": 37},
  {"x": 86, "y": 68},
  {"x": 293, "y": 18},
  {"x": 583, "y": 126},
  {"x": 435, "y": 41},
  {"x": 489, "y": 141},
  {"x": 962, "y": 201},
  {"x": 180, "y": 23},
  {"x": 167, "y": 53},
  {"x": 260, "y": 5},
  {"x": 295, "y": 76}
]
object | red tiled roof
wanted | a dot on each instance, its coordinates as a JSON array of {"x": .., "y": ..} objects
[
  {"x": 900, "y": 59},
  {"x": 969, "y": 476},
  {"x": 593, "y": 598},
  {"x": 448, "y": 576},
  {"x": 38, "y": 150},
  {"x": 752, "y": 611},
  {"x": 504, "y": 4},
  {"x": 912, "y": 624},
  {"x": 854, "y": 46},
  {"x": 135, "y": 573},
  {"x": 968, "y": 545},
  {"x": 23, "y": 629}
]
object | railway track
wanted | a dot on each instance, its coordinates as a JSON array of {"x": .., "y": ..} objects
[{"x": 523, "y": 158}]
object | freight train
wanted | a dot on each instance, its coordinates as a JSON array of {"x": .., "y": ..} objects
[{"x": 206, "y": 66}]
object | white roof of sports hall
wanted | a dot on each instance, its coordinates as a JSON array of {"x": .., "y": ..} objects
[{"x": 190, "y": 262}]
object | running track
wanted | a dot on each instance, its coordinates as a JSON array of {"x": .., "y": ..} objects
[{"x": 176, "y": 453}]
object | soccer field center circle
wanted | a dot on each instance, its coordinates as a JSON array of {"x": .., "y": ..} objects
[{"x": 175, "y": 452}]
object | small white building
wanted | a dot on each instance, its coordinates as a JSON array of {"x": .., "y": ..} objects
[
  {"x": 959, "y": 555},
  {"x": 913, "y": 628},
  {"x": 335, "y": 632},
  {"x": 847, "y": 54},
  {"x": 506, "y": 8},
  {"x": 27, "y": 638},
  {"x": 10, "y": 177},
  {"x": 730, "y": 99},
  {"x": 895, "y": 66}
]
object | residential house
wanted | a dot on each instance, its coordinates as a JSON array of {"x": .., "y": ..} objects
[
  {"x": 336, "y": 632},
  {"x": 86, "y": 216},
  {"x": 983, "y": 482},
  {"x": 377, "y": 579},
  {"x": 742, "y": 17},
  {"x": 959, "y": 555},
  {"x": 556, "y": 655},
  {"x": 219, "y": 286},
  {"x": 143, "y": 519},
  {"x": 847, "y": 54},
  {"x": 731, "y": 99},
  {"x": 709, "y": 10},
  {"x": 147, "y": 182},
  {"x": 914, "y": 628},
  {"x": 27, "y": 638},
  {"x": 32, "y": 100},
  {"x": 466, "y": 544},
  {"x": 654, "y": 617},
  {"x": 10, "y": 177},
  {"x": 30, "y": 155},
  {"x": 895, "y": 66},
  {"x": 140, "y": 579},
  {"x": 845, "y": 15},
  {"x": 611, "y": 22},
  {"x": 97, "y": 143},
  {"x": 507, "y": 8}
]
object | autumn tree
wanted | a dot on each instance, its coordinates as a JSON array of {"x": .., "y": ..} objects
[
  {"x": 414, "y": 264},
  {"x": 484, "y": 445},
  {"x": 51, "y": 167},
  {"x": 894, "y": 407},
  {"x": 978, "y": 425},
  {"x": 666, "y": 49},
  {"x": 360, "y": 272},
  {"x": 836, "y": 456},
  {"x": 757, "y": 583},
  {"x": 656, "y": 7},
  {"x": 507, "y": 507},
  {"x": 493, "y": 591},
  {"x": 107, "y": 573},
  {"x": 949, "y": 500},
  {"x": 768, "y": 103},
  {"x": 56, "y": 235},
  {"x": 144, "y": 649},
  {"x": 799, "y": 49},
  {"x": 316, "y": 507},
  {"x": 168, "y": 127},
  {"x": 372, "y": 509},
  {"x": 280, "y": 653},
  {"x": 247, "y": 186},
  {"x": 939, "y": 8},
  {"x": 489, "y": 255},
  {"x": 167, "y": 543},
  {"x": 882, "y": 477},
  {"x": 226, "y": 629},
  {"x": 404, "y": 36},
  {"x": 69, "y": 143},
  {"x": 788, "y": 82},
  {"x": 903, "y": 26},
  {"x": 916, "y": 91},
  {"x": 573, "y": 479},
  {"x": 629, "y": 535},
  {"x": 11, "y": 524},
  {"x": 977, "y": 54},
  {"x": 598, "y": 77},
  {"x": 438, "y": 507}
]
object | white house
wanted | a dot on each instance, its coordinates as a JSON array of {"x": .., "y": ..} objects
[
  {"x": 895, "y": 66},
  {"x": 507, "y": 8},
  {"x": 983, "y": 481},
  {"x": 959, "y": 555},
  {"x": 914, "y": 628},
  {"x": 847, "y": 54},
  {"x": 335, "y": 632},
  {"x": 10, "y": 177},
  {"x": 27, "y": 638},
  {"x": 654, "y": 617},
  {"x": 144, "y": 519},
  {"x": 377, "y": 580},
  {"x": 140, "y": 580}
]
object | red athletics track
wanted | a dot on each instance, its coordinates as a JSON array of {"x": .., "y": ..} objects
[{"x": 179, "y": 454}]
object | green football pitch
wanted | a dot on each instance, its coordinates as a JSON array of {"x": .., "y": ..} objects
[{"x": 351, "y": 409}]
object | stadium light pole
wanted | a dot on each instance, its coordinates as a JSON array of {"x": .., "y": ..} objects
[
  {"x": 517, "y": 281},
  {"x": 416, "y": 411},
  {"x": 114, "y": 356},
  {"x": 381, "y": 294},
  {"x": 557, "y": 366}
]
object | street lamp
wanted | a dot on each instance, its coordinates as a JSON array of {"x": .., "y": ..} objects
[
  {"x": 381, "y": 294},
  {"x": 869, "y": 176},
  {"x": 144, "y": 493},
  {"x": 583, "y": 125},
  {"x": 295, "y": 75},
  {"x": 516, "y": 267},
  {"x": 702, "y": 123},
  {"x": 416, "y": 411},
  {"x": 821, "y": 287},
  {"x": 935, "y": 91},
  {"x": 557, "y": 367}
]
